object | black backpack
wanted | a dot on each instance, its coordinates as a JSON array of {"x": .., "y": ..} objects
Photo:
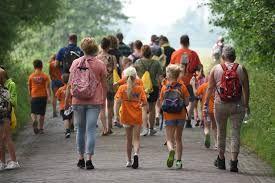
[
  {"x": 71, "y": 53},
  {"x": 173, "y": 100}
]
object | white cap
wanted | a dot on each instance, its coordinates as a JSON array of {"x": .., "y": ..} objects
[{"x": 130, "y": 71}]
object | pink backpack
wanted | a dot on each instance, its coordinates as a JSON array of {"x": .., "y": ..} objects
[{"x": 83, "y": 81}]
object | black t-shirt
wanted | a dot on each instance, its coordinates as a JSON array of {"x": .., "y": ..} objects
[{"x": 168, "y": 51}]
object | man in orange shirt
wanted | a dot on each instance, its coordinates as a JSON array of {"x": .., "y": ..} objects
[
  {"x": 39, "y": 91},
  {"x": 56, "y": 81},
  {"x": 189, "y": 60}
]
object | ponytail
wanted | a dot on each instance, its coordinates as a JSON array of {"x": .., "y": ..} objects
[{"x": 130, "y": 85}]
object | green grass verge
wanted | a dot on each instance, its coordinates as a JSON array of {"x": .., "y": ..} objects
[{"x": 259, "y": 132}]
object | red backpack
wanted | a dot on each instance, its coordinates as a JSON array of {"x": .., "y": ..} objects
[{"x": 230, "y": 88}]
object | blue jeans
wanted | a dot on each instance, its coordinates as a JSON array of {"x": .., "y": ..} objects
[{"x": 85, "y": 119}]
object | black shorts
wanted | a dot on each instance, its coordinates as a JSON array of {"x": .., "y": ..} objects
[
  {"x": 38, "y": 106},
  {"x": 191, "y": 93},
  {"x": 64, "y": 117},
  {"x": 153, "y": 97}
]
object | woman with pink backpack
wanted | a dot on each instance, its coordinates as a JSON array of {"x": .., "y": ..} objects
[{"x": 86, "y": 83}]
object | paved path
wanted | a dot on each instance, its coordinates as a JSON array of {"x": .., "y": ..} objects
[{"x": 52, "y": 158}]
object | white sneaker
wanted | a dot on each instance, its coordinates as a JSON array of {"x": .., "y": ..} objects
[
  {"x": 144, "y": 132},
  {"x": 152, "y": 132},
  {"x": 129, "y": 164},
  {"x": 2, "y": 166},
  {"x": 12, "y": 165}
]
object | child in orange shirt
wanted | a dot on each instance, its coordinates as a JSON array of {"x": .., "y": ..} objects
[
  {"x": 208, "y": 115},
  {"x": 39, "y": 91},
  {"x": 68, "y": 115},
  {"x": 132, "y": 98},
  {"x": 56, "y": 81},
  {"x": 174, "y": 120}
]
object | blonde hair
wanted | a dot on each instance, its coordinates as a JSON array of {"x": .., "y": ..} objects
[
  {"x": 173, "y": 71},
  {"x": 89, "y": 46},
  {"x": 131, "y": 74}
]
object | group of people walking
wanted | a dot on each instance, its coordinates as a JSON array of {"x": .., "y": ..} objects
[{"x": 137, "y": 87}]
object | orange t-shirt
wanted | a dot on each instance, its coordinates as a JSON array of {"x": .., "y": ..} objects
[
  {"x": 55, "y": 73},
  {"x": 174, "y": 116},
  {"x": 193, "y": 59},
  {"x": 201, "y": 91},
  {"x": 131, "y": 112},
  {"x": 38, "y": 84},
  {"x": 60, "y": 95}
]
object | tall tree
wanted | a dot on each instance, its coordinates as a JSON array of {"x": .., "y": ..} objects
[
  {"x": 85, "y": 18},
  {"x": 15, "y": 15}
]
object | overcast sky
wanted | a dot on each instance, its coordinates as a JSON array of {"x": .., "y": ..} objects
[{"x": 149, "y": 17}]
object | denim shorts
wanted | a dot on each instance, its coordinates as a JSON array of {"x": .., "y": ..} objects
[
  {"x": 180, "y": 122},
  {"x": 55, "y": 84}
]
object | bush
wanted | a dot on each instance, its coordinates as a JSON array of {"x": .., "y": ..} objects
[{"x": 259, "y": 132}]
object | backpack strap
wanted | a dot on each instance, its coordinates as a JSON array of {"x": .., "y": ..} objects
[
  {"x": 224, "y": 68},
  {"x": 235, "y": 67}
]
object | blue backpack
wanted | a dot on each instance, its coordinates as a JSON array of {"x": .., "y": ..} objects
[{"x": 173, "y": 100}]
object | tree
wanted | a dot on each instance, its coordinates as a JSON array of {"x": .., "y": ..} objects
[
  {"x": 250, "y": 24},
  {"x": 16, "y": 15}
]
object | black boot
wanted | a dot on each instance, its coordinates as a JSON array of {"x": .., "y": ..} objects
[
  {"x": 234, "y": 166},
  {"x": 188, "y": 124},
  {"x": 220, "y": 163}
]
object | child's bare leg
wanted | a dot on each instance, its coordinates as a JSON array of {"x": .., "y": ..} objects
[
  {"x": 178, "y": 138},
  {"x": 2, "y": 146},
  {"x": 170, "y": 137},
  {"x": 129, "y": 142},
  {"x": 103, "y": 118},
  {"x": 136, "y": 139},
  {"x": 8, "y": 141},
  {"x": 67, "y": 124},
  {"x": 34, "y": 117},
  {"x": 110, "y": 107},
  {"x": 41, "y": 121}
]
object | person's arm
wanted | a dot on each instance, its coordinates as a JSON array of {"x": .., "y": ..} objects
[
  {"x": 30, "y": 87},
  {"x": 48, "y": 89},
  {"x": 211, "y": 87},
  {"x": 186, "y": 95},
  {"x": 193, "y": 84},
  {"x": 103, "y": 81},
  {"x": 117, "y": 104},
  {"x": 245, "y": 89}
]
